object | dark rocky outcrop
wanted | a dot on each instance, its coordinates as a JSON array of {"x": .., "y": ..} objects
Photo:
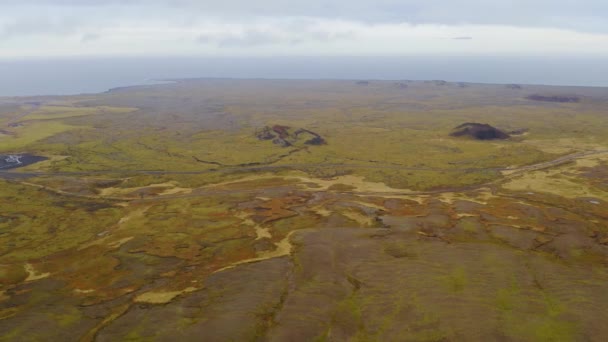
[
  {"x": 514, "y": 86},
  {"x": 555, "y": 98},
  {"x": 281, "y": 142},
  {"x": 265, "y": 134},
  {"x": 285, "y": 136},
  {"x": 315, "y": 141},
  {"x": 479, "y": 131}
]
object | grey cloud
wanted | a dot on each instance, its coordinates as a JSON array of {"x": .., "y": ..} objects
[
  {"x": 90, "y": 37},
  {"x": 248, "y": 38},
  {"x": 462, "y": 38},
  {"x": 40, "y": 24},
  {"x": 576, "y": 14},
  {"x": 583, "y": 15},
  {"x": 256, "y": 37}
]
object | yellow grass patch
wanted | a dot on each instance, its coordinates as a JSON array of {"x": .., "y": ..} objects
[
  {"x": 33, "y": 132},
  {"x": 32, "y": 274},
  {"x": 553, "y": 182},
  {"x": 161, "y": 297},
  {"x": 62, "y": 112},
  {"x": 356, "y": 216}
]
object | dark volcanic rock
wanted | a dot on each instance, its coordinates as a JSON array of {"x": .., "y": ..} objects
[
  {"x": 315, "y": 141},
  {"x": 513, "y": 86},
  {"x": 265, "y": 134},
  {"x": 281, "y": 142},
  {"x": 285, "y": 136},
  {"x": 555, "y": 98},
  {"x": 478, "y": 131},
  {"x": 282, "y": 131}
]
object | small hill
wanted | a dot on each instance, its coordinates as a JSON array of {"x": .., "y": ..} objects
[
  {"x": 286, "y": 136},
  {"x": 479, "y": 131}
]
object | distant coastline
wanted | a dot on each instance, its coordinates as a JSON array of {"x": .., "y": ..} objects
[{"x": 96, "y": 75}]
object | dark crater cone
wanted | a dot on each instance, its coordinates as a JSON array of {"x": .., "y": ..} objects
[
  {"x": 13, "y": 161},
  {"x": 479, "y": 131},
  {"x": 555, "y": 98},
  {"x": 286, "y": 136}
]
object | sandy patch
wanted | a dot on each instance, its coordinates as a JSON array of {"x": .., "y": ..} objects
[
  {"x": 79, "y": 291},
  {"x": 161, "y": 297},
  {"x": 260, "y": 231},
  {"x": 283, "y": 248},
  {"x": 553, "y": 182},
  {"x": 356, "y": 216},
  {"x": 106, "y": 235},
  {"x": 118, "y": 243},
  {"x": 480, "y": 196},
  {"x": 33, "y": 275},
  {"x": 321, "y": 211},
  {"x": 170, "y": 188},
  {"x": 357, "y": 182}
]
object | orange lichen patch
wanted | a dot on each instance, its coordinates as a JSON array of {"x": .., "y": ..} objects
[
  {"x": 275, "y": 209},
  {"x": 167, "y": 246},
  {"x": 160, "y": 297},
  {"x": 260, "y": 232},
  {"x": 401, "y": 207},
  {"x": 93, "y": 269},
  {"x": 283, "y": 248}
]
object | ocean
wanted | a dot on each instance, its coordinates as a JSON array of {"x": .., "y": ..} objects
[{"x": 65, "y": 76}]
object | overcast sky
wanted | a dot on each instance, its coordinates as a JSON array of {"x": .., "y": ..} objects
[{"x": 42, "y": 28}]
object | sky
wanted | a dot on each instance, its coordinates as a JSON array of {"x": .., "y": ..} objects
[{"x": 258, "y": 28}]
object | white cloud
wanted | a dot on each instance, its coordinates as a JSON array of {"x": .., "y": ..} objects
[{"x": 118, "y": 30}]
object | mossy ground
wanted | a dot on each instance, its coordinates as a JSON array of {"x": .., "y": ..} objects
[{"x": 391, "y": 231}]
